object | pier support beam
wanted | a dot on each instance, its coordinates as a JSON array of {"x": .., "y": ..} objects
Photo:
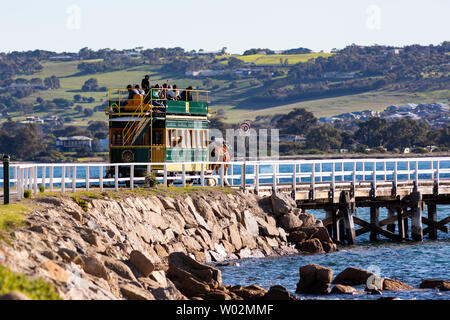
[
  {"x": 432, "y": 215},
  {"x": 374, "y": 220},
  {"x": 416, "y": 210},
  {"x": 345, "y": 207},
  {"x": 391, "y": 214},
  {"x": 333, "y": 227},
  {"x": 401, "y": 223}
]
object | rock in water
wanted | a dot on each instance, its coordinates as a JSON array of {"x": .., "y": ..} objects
[
  {"x": 282, "y": 203},
  {"x": 289, "y": 222},
  {"x": 395, "y": 285},
  {"x": 311, "y": 246},
  {"x": 142, "y": 263},
  {"x": 443, "y": 285},
  {"x": 314, "y": 279},
  {"x": 341, "y": 289},
  {"x": 352, "y": 276},
  {"x": 297, "y": 237},
  {"x": 279, "y": 293},
  {"x": 252, "y": 292}
]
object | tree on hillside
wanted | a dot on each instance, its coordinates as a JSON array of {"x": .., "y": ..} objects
[
  {"x": 234, "y": 63},
  {"x": 407, "y": 133},
  {"x": 52, "y": 82},
  {"x": 22, "y": 142},
  {"x": 324, "y": 137},
  {"x": 90, "y": 85},
  {"x": 373, "y": 132},
  {"x": 298, "y": 121}
]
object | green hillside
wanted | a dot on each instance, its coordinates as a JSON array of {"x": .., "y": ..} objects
[{"x": 241, "y": 97}]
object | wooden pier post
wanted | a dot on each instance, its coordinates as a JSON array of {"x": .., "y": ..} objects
[
  {"x": 432, "y": 215},
  {"x": 345, "y": 207},
  {"x": 374, "y": 220},
  {"x": 332, "y": 228},
  {"x": 391, "y": 214},
  {"x": 416, "y": 210},
  {"x": 400, "y": 222}
]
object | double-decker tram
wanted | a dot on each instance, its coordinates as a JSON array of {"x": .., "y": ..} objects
[{"x": 158, "y": 128}]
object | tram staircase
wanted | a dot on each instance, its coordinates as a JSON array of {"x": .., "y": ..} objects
[{"x": 137, "y": 126}]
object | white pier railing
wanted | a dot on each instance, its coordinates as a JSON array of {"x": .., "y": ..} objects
[{"x": 258, "y": 175}]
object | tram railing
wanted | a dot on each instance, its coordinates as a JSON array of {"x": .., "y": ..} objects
[{"x": 257, "y": 175}]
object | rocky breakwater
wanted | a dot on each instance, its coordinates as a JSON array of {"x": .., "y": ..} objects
[
  {"x": 117, "y": 245},
  {"x": 306, "y": 232}
]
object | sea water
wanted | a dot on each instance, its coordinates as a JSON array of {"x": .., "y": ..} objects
[{"x": 408, "y": 262}]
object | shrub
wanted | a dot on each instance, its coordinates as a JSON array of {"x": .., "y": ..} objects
[
  {"x": 41, "y": 189},
  {"x": 34, "y": 289},
  {"x": 150, "y": 180},
  {"x": 83, "y": 204},
  {"x": 27, "y": 194}
]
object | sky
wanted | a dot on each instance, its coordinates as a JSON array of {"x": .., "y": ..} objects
[{"x": 69, "y": 25}]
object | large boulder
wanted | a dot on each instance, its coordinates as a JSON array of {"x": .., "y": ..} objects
[
  {"x": 95, "y": 267},
  {"x": 278, "y": 293},
  {"x": 282, "y": 203},
  {"x": 119, "y": 268},
  {"x": 133, "y": 292},
  {"x": 329, "y": 247},
  {"x": 297, "y": 237},
  {"x": 314, "y": 279},
  {"x": 307, "y": 219},
  {"x": 341, "y": 289},
  {"x": 352, "y": 276},
  {"x": 192, "y": 278},
  {"x": 443, "y": 285},
  {"x": 289, "y": 222},
  {"x": 252, "y": 292},
  {"x": 395, "y": 285},
  {"x": 142, "y": 263},
  {"x": 55, "y": 272},
  {"x": 249, "y": 221},
  {"x": 311, "y": 246}
]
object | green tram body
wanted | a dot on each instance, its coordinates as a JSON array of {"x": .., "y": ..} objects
[{"x": 143, "y": 133}]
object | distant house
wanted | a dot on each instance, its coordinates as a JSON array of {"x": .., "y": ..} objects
[
  {"x": 32, "y": 119},
  {"x": 61, "y": 58},
  {"x": 71, "y": 144},
  {"x": 205, "y": 73},
  {"x": 292, "y": 138}
]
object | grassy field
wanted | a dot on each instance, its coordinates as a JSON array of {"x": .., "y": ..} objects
[
  {"x": 274, "y": 59},
  {"x": 377, "y": 100}
]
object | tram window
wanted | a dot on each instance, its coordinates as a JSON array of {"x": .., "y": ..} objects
[
  {"x": 179, "y": 139},
  {"x": 173, "y": 138},
  {"x": 195, "y": 139},
  {"x": 157, "y": 137},
  {"x": 205, "y": 139},
  {"x": 188, "y": 139}
]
